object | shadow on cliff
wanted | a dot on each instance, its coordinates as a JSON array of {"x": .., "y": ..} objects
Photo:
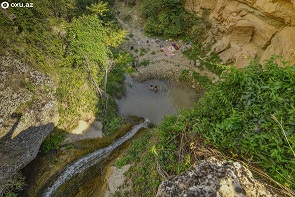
[
  {"x": 17, "y": 117},
  {"x": 17, "y": 152},
  {"x": 32, "y": 170}
]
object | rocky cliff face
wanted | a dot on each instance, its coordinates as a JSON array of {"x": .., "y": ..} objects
[
  {"x": 247, "y": 29},
  {"x": 28, "y": 113},
  {"x": 212, "y": 177}
]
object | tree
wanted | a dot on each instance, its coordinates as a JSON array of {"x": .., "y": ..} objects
[{"x": 89, "y": 41}]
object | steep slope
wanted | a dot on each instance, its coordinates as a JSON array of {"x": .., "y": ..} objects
[
  {"x": 28, "y": 113},
  {"x": 247, "y": 29}
]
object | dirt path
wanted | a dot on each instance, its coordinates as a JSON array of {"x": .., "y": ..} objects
[{"x": 147, "y": 50}]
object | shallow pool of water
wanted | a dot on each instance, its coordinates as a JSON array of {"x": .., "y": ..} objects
[{"x": 170, "y": 98}]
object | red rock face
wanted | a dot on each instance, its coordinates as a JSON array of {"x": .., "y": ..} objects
[{"x": 252, "y": 28}]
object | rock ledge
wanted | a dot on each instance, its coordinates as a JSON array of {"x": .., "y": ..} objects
[{"x": 212, "y": 177}]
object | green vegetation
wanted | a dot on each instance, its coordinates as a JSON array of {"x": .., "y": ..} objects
[
  {"x": 212, "y": 63},
  {"x": 169, "y": 19},
  {"x": 204, "y": 81},
  {"x": 188, "y": 77},
  {"x": 14, "y": 185},
  {"x": 184, "y": 76},
  {"x": 88, "y": 49},
  {"x": 72, "y": 41},
  {"x": 53, "y": 141},
  {"x": 243, "y": 125},
  {"x": 27, "y": 84},
  {"x": 248, "y": 115},
  {"x": 107, "y": 108},
  {"x": 145, "y": 62},
  {"x": 143, "y": 173},
  {"x": 143, "y": 51},
  {"x": 108, "y": 116},
  {"x": 166, "y": 18}
]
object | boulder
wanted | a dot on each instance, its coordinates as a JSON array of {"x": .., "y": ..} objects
[
  {"x": 221, "y": 46},
  {"x": 242, "y": 32},
  {"x": 282, "y": 44},
  {"x": 213, "y": 177},
  {"x": 28, "y": 113}
]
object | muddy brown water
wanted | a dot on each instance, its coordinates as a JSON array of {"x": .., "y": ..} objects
[{"x": 170, "y": 98}]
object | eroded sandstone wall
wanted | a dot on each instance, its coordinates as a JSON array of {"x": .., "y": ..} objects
[{"x": 247, "y": 29}]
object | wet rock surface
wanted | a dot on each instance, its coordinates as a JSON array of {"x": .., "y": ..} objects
[{"x": 212, "y": 177}]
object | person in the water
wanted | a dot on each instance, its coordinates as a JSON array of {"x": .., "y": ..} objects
[
  {"x": 155, "y": 89},
  {"x": 152, "y": 87}
]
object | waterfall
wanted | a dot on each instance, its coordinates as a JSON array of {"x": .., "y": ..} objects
[{"x": 91, "y": 159}]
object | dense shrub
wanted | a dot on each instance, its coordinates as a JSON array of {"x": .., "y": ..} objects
[
  {"x": 235, "y": 116},
  {"x": 166, "y": 18},
  {"x": 53, "y": 141}
]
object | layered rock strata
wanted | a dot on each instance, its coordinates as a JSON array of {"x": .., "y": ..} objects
[{"x": 249, "y": 29}]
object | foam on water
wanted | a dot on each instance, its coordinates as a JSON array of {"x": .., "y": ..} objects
[{"x": 91, "y": 159}]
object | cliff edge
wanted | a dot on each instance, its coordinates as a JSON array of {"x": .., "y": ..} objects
[
  {"x": 28, "y": 113},
  {"x": 248, "y": 29}
]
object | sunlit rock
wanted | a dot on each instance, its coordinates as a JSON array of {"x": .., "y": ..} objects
[{"x": 213, "y": 177}]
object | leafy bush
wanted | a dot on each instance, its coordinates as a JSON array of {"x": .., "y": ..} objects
[
  {"x": 115, "y": 84},
  {"x": 184, "y": 76},
  {"x": 53, "y": 141},
  {"x": 169, "y": 155},
  {"x": 144, "y": 176},
  {"x": 145, "y": 62},
  {"x": 212, "y": 63},
  {"x": 107, "y": 114},
  {"x": 235, "y": 116},
  {"x": 107, "y": 109},
  {"x": 113, "y": 125},
  {"x": 14, "y": 185},
  {"x": 194, "y": 51},
  {"x": 204, "y": 81},
  {"x": 143, "y": 51},
  {"x": 166, "y": 18}
]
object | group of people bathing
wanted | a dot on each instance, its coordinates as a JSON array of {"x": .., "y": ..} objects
[{"x": 154, "y": 88}]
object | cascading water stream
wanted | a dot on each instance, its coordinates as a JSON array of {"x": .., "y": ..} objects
[{"x": 91, "y": 159}]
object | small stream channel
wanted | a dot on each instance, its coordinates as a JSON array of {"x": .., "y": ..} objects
[{"x": 139, "y": 101}]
